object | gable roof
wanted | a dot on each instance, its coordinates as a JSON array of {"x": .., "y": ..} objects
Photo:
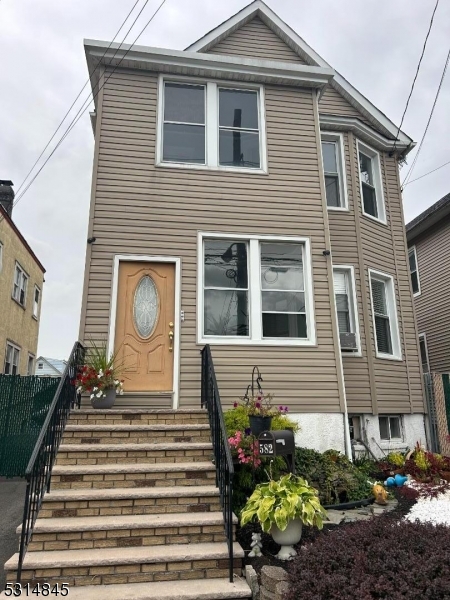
[
  {"x": 259, "y": 9},
  {"x": 54, "y": 364},
  {"x": 429, "y": 217},
  {"x": 4, "y": 215}
]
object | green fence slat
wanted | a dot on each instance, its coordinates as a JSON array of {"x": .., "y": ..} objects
[{"x": 24, "y": 403}]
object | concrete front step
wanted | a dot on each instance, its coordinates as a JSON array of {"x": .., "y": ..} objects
[
  {"x": 138, "y": 416},
  {"x": 103, "y": 454},
  {"x": 136, "y": 434},
  {"x": 126, "y": 531},
  {"x": 130, "y": 501},
  {"x": 194, "y": 589},
  {"x": 127, "y": 565},
  {"x": 131, "y": 475}
]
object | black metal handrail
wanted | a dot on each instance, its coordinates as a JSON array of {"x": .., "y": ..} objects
[
  {"x": 39, "y": 469},
  {"x": 222, "y": 453}
]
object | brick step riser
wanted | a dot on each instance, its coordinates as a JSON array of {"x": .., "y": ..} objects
[
  {"x": 106, "y": 575},
  {"x": 177, "y": 437},
  {"x": 108, "y": 481},
  {"x": 132, "y": 456},
  {"x": 138, "y": 506},
  {"x": 137, "y": 420},
  {"x": 126, "y": 538}
]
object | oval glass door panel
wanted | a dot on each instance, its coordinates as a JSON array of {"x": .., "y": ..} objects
[{"x": 145, "y": 308}]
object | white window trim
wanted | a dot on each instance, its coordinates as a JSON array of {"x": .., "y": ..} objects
[
  {"x": 353, "y": 307},
  {"x": 16, "y": 347},
  {"x": 424, "y": 337},
  {"x": 391, "y": 303},
  {"x": 33, "y": 357},
  {"x": 211, "y": 125},
  {"x": 413, "y": 249},
  {"x": 392, "y": 439},
  {"x": 24, "y": 273},
  {"x": 255, "y": 298},
  {"x": 378, "y": 181},
  {"x": 36, "y": 314},
  {"x": 331, "y": 136}
]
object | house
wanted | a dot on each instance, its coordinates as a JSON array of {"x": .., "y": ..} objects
[
  {"x": 21, "y": 282},
  {"x": 246, "y": 196},
  {"x": 50, "y": 367},
  {"x": 428, "y": 238}
]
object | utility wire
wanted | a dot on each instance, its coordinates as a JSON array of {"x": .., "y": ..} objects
[
  {"x": 429, "y": 173},
  {"x": 411, "y": 168},
  {"x": 83, "y": 109},
  {"x": 74, "y": 102},
  {"x": 417, "y": 73}
]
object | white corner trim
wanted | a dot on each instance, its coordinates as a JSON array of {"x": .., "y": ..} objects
[
  {"x": 254, "y": 298},
  {"x": 299, "y": 45},
  {"x": 391, "y": 300},
  {"x": 350, "y": 269},
  {"x": 117, "y": 259},
  {"x": 337, "y": 136},
  {"x": 378, "y": 181}
]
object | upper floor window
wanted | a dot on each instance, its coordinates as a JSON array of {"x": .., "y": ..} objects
[
  {"x": 36, "y": 301},
  {"x": 424, "y": 353},
  {"x": 387, "y": 337},
  {"x": 414, "y": 271},
  {"x": 1, "y": 257},
  {"x": 20, "y": 285},
  {"x": 344, "y": 290},
  {"x": 255, "y": 290},
  {"x": 210, "y": 125},
  {"x": 12, "y": 358},
  {"x": 371, "y": 183},
  {"x": 334, "y": 171}
]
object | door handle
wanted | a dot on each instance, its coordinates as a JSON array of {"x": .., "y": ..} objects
[{"x": 170, "y": 341}]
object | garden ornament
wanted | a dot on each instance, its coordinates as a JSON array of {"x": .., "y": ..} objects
[
  {"x": 390, "y": 482},
  {"x": 380, "y": 494},
  {"x": 400, "y": 479},
  {"x": 256, "y": 545}
]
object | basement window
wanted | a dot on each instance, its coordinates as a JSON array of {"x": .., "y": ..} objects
[{"x": 390, "y": 428}]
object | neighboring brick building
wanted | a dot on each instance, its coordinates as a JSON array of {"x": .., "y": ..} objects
[{"x": 21, "y": 282}]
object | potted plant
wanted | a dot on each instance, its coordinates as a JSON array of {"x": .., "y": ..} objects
[
  {"x": 282, "y": 508},
  {"x": 99, "y": 377},
  {"x": 260, "y": 411}
]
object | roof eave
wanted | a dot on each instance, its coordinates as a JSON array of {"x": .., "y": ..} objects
[{"x": 420, "y": 224}]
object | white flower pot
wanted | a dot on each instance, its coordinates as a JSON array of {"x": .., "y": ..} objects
[{"x": 287, "y": 538}]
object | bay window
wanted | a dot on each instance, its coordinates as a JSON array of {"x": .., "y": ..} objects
[
  {"x": 371, "y": 186},
  {"x": 209, "y": 125},
  {"x": 334, "y": 171},
  {"x": 254, "y": 289},
  {"x": 387, "y": 337},
  {"x": 346, "y": 308}
]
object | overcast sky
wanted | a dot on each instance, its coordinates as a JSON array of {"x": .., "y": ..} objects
[{"x": 375, "y": 44}]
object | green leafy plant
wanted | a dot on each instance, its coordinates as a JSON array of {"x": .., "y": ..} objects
[
  {"x": 278, "y": 502},
  {"x": 100, "y": 372},
  {"x": 396, "y": 459},
  {"x": 237, "y": 419}
]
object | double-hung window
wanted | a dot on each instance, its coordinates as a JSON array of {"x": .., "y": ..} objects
[
  {"x": 390, "y": 428},
  {"x": 211, "y": 125},
  {"x": 30, "y": 365},
  {"x": 371, "y": 183},
  {"x": 36, "y": 300},
  {"x": 387, "y": 337},
  {"x": 255, "y": 289},
  {"x": 20, "y": 285},
  {"x": 334, "y": 171},
  {"x": 12, "y": 358},
  {"x": 414, "y": 271},
  {"x": 346, "y": 309},
  {"x": 424, "y": 353}
]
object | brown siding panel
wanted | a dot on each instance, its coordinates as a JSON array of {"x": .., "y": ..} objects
[{"x": 256, "y": 40}]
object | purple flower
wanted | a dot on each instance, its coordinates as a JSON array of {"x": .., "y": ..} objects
[
  {"x": 286, "y": 409},
  {"x": 280, "y": 408},
  {"x": 248, "y": 431},
  {"x": 258, "y": 404},
  {"x": 235, "y": 405},
  {"x": 260, "y": 397}
]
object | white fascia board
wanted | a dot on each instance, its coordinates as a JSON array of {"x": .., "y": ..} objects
[
  {"x": 363, "y": 131},
  {"x": 294, "y": 41},
  {"x": 206, "y": 65}
]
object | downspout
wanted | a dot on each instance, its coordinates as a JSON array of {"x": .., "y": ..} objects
[{"x": 340, "y": 367}]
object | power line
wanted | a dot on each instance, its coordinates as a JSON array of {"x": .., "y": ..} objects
[
  {"x": 82, "y": 110},
  {"x": 74, "y": 102},
  {"x": 429, "y": 173},
  {"x": 411, "y": 169},
  {"x": 417, "y": 73}
]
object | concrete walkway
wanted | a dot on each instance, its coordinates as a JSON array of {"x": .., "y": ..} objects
[{"x": 12, "y": 494}]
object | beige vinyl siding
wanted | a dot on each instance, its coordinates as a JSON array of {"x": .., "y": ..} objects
[
  {"x": 398, "y": 385},
  {"x": 143, "y": 209},
  {"x": 256, "y": 40},
  {"x": 433, "y": 304},
  {"x": 333, "y": 103}
]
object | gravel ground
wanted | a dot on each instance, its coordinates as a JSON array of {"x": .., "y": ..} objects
[
  {"x": 12, "y": 493},
  {"x": 431, "y": 510}
]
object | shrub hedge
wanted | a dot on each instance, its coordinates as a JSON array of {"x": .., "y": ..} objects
[{"x": 378, "y": 559}]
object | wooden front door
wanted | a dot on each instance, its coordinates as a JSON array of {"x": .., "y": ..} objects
[{"x": 144, "y": 339}]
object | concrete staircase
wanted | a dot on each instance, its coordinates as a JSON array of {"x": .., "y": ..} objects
[{"x": 133, "y": 512}]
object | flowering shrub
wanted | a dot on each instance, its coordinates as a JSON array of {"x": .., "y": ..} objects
[
  {"x": 97, "y": 383},
  {"x": 246, "y": 446},
  {"x": 260, "y": 405}
]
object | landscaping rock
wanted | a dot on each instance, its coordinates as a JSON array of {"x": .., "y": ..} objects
[
  {"x": 281, "y": 590},
  {"x": 270, "y": 576},
  {"x": 252, "y": 581},
  {"x": 266, "y": 595}
]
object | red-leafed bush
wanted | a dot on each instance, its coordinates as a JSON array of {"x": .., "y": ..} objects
[{"x": 373, "y": 560}]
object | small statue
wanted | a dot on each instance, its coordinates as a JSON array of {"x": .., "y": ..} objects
[
  {"x": 380, "y": 494},
  {"x": 256, "y": 545}
]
